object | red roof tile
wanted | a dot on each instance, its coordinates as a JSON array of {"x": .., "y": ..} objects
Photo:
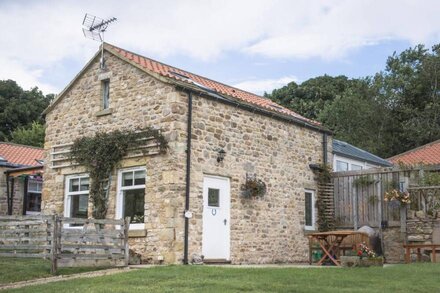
[
  {"x": 194, "y": 79},
  {"x": 427, "y": 154},
  {"x": 21, "y": 154}
]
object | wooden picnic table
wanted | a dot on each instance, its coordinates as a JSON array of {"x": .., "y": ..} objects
[
  {"x": 434, "y": 247},
  {"x": 330, "y": 243}
]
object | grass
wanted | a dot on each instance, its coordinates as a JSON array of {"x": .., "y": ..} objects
[
  {"x": 23, "y": 269},
  {"x": 399, "y": 278}
]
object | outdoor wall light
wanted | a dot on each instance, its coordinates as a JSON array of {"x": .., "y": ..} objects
[{"x": 221, "y": 155}]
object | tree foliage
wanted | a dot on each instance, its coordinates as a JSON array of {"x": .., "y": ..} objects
[
  {"x": 388, "y": 113},
  {"x": 19, "y": 108},
  {"x": 33, "y": 135}
]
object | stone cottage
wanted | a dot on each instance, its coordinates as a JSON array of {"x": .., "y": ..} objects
[
  {"x": 21, "y": 180},
  {"x": 190, "y": 200}
]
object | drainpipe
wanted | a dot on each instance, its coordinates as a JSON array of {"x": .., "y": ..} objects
[
  {"x": 324, "y": 148},
  {"x": 188, "y": 178}
]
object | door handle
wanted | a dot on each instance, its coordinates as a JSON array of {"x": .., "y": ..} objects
[{"x": 225, "y": 221}]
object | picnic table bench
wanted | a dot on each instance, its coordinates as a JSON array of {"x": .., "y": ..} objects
[
  {"x": 332, "y": 242},
  {"x": 434, "y": 247}
]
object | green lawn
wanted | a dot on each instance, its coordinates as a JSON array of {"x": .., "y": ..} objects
[
  {"x": 20, "y": 269},
  {"x": 401, "y": 278}
]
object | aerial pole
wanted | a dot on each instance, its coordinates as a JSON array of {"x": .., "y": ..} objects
[{"x": 94, "y": 28}]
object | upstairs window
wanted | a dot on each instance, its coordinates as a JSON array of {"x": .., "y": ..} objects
[
  {"x": 309, "y": 210},
  {"x": 105, "y": 93}
]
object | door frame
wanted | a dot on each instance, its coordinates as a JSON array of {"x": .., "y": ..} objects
[{"x": 227, "y": 216}]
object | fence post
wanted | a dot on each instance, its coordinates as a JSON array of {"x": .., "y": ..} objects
[
  {"x": 54, "y": 267},
  {"x": 355, "y": 208},
  {"x": 126, "y": 228}
]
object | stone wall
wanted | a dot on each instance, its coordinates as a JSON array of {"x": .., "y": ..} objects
[
  {"x": 136, "y": 100},
  {"x": 266, "y": 230},
  {"x": 17, "y": 201},
  {"x": 393, "y": 240},
  {"x": 263, "y": 230},
  {"x": 420, "y": 227},
  {"x": 3, "y": 196}
]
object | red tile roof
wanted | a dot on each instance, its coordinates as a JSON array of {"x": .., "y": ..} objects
[
  {"x": 21, "y": 154},
  {"x": 427, "y": 154},
  {"x": 194, "y": 79}
]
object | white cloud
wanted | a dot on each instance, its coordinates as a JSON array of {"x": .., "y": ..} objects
[
  {"x": 38, "y": 36},
  {"x": 259, "y": 86},
  {"x": 26, "y": 77}
]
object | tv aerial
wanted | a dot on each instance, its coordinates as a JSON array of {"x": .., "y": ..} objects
[{"x": 94, "y": 28}]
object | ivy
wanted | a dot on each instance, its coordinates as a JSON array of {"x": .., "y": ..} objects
[
  {"x": 101, "y": 153},
  {"x": 363, "y": 181},
  {"x": 325, "y": 223}
]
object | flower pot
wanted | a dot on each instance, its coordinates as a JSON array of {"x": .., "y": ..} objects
[{"x": 350, "y": 261}]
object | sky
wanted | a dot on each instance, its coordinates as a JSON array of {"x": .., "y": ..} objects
[{"x": 255, "y": 45}]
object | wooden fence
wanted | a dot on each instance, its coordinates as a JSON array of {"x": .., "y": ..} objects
[
  {"x": 359, "y": 197},
  {"x": 66, "y": 242}
]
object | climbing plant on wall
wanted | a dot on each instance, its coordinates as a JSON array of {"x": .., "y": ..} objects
[
  {"x": 325, "y": 220},
  {"x": 101, "y": 153}
]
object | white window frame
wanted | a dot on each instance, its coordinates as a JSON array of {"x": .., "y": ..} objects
[
  {"x": 350, "y": 162},
  {"x": 120, "y": 199},
  {"x": 105, "y": 95},
  {"x": 34, "y": 191},
  {"x": 312, "y": 227},
  {"x": 68, "y": 198},
  {"x": 343, "y": 162}
]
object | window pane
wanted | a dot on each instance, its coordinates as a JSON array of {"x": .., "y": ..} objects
[
  {"x": 74, "y": 185},
  {"x": 139, "y": 177},
  {"x": 84, "y": 184},
  {"x": 356, "y": 167},
  {"x": 79, "y": 205},
  {"x": 309, "y": 209},
  {"x": 134, "y": 205},
  {"x": 39, "y": 186},
  {"x": 33, "y": 202},
  {"x": 33, "y": 186},
  {"x": 127, "y": 178},
  {"x": 341, "y": 166},
  {"x": 105, "y": 93},
  {"x": 213, "y": 197}
]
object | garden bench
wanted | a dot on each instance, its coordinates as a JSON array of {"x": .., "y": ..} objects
[{"x": 433, "y": 247}]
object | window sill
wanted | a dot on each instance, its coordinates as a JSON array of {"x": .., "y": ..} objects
[
  {"x": 137, "y": 233},
  {"x": 104, "y": 112},
  {"x": 309, "y": 231}
]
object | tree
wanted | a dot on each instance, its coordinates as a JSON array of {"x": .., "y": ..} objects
[
  {"x": 19, "y": 108},
  {"x": 33, "y": 135},
  {"x": 391, "y": 112},
  {"x": 312, "y": 96},
  {"x": 410, "y": 84},
  {"x": 358, "y": 117}
]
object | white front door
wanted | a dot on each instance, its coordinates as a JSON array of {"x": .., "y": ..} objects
[{"x": 216, "y": 229}]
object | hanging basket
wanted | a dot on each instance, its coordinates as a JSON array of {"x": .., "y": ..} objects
[{"x": 253, "y": 187}]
